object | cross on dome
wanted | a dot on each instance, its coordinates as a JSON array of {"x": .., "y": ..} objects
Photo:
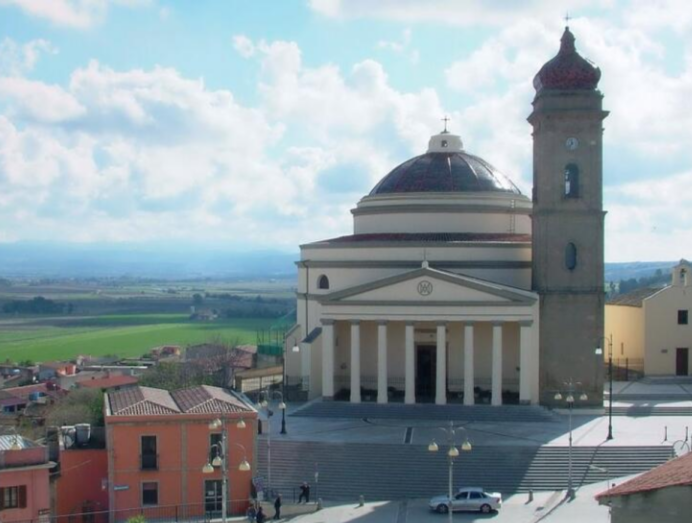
[
  {"x": 567, "y": 19},
  {"x": 445, "y": 120}
]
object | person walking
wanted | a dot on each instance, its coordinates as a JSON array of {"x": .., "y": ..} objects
[
  {"x": 304, "y": 492},
  {"x": 277, "y": 507}
]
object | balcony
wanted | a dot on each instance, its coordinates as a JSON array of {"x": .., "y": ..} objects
[{"x": 149, "y": 461}]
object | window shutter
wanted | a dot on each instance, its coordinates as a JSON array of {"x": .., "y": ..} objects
[
  {"x": 2, "y": 499},
  {"x": 22, "y": 496}
]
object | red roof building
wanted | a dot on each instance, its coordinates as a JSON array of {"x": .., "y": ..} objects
[
  {"x": 664, "y": 494},
  {"x": 158, "y": 444}
]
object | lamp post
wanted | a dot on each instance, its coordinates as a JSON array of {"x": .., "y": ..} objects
[
  {"x": 570, "y": 391},
  {"x": 599, "y": 350},
  {"x": 221, "y": 460},
  {"x": 264, "y": 403},
  {"x": 452, "y": 453}
]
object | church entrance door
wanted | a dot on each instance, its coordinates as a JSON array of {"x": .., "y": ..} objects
[
  {"x": 426, "y": 367},
  {"x": 682, "y": 358}
]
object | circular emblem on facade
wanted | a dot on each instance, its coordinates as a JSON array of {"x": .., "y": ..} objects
[{"x": 425, "y": 288}]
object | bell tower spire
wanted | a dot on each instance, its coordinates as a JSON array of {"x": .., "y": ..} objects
[{"x": 568, "y": 220}]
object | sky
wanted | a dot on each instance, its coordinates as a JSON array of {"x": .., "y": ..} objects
[{"x": 259, "y": 124}]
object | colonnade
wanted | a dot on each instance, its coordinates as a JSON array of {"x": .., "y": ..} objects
[{"x": 526, "y": 362}]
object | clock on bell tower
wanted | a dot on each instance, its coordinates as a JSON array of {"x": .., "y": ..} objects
[{"x": 567, "y": 222}]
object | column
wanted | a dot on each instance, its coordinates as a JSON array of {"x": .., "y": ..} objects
[
  {"x": 410, "y": 393},
  {"x": 441, "y": 378},
  {"x": 382, "y": 362},
  {"x": 355, "y": 362},
  {"x": 496, "y": 398},
  {"x": 468, "y": 364},
  {"x": 525, "y": 363},
  {"x": 328, "y": 359}
]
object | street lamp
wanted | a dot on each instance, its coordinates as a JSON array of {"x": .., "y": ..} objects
[
  {"x": 599, "y": 350},
  {"x": 452, "y": 453},
  {"x": 264, "y": 403},
  {"x": 221, "y": 460},
  {"x": 570, "y": 391}
]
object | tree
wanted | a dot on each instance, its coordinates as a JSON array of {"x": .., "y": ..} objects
[
  {"x": 197, "y": 299},
  {"x": 79, "y": 406}
]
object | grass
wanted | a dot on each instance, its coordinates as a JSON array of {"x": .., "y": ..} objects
[{"x": 124, "y": 335}]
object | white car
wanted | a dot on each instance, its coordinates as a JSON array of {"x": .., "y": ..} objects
[{"x": 470, "y": 498}]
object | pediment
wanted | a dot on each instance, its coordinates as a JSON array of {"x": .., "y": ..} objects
[{"x": 430, "y": 286}]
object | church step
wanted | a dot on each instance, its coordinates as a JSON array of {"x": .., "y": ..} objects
[
  {"x": 386, "y": 471},
  {"x": 478, "y": 413}
]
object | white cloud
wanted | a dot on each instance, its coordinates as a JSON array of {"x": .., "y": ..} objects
[
  {"x": 71, "y": 13},
  {"x": 467, "y": 13},
  {"x": 17, "y": 60},
  {"x": 650, "y": 219},
  {"x": 401, "y": 46},
  {"x": 39, "y": 101},
  {"x": 244, "y": 46}
]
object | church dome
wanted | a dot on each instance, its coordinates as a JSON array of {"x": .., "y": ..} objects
[
  {"x": 568, "y": 70},
  {"x": 445, "y": 168}
]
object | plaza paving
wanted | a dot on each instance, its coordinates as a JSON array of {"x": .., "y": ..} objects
[{"x": 589, "y": 430}]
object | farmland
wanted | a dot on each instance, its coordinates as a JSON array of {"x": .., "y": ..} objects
[{"x": 108, "y": 318}]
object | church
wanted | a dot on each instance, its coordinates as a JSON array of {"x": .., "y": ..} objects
[{"x": 457, "y": 288}]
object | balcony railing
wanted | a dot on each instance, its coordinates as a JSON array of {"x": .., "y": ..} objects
[{"x": 149, "y": 461}]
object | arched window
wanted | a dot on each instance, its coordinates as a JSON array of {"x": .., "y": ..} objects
[
  {"x": 323, "y": 282},
  {"x": 571, "y": 256},
  {"x": 683, "y": 277},
  {"x": 571, "y": 181}
]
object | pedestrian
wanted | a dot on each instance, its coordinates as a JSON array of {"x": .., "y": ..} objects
[
  {"x": 260, "y": 517},
  {"x": 304, "y": 492},
  {"x": 277, "y": 507}
]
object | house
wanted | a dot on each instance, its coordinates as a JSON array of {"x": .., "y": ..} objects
[
  {"x": 158, "y": 444},
  {"x": 24, "y": 480},
  {"x": 663, "y": 495},
  {"x": 81, "y": 479},
  {"x": 15, "y": 399},
  {"x": 107, "y": 381},
  {"x": 649, "y": 329},
  {"x": 56, "y": 369}
]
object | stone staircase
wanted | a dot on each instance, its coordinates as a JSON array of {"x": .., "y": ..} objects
[
  {"x": 641, "y": 411},
  {"x": 422, "y": 411},
  {"x": 395, "y": 471}
]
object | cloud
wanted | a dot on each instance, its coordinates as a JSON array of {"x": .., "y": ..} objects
[
  {"x": 466, "y": 13},
  {"x": 244, "y": 46},
  {"x": 79, "y": 14},
  {"x": 650, "y": 219},
  {"x": 38, "y": 101},
  {"x": 17, "y": 60},
  {"x": 401, "y": 46}
]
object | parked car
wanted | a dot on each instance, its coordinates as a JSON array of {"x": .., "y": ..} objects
[{"x": 468, "y": 499}]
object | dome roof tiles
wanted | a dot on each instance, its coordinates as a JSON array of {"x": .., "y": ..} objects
[
  {"x": 568, "y": 70},
  {"x": 444, "y": 172}
]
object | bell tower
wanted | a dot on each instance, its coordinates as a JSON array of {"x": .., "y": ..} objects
[{"x": 568, "y": 219}]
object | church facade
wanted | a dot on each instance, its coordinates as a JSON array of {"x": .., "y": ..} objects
[{"x": 454, "y": 286}]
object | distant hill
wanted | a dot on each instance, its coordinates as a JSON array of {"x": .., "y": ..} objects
[
  {"x": 625, "y": 271},
  {"x": 28, "y": 260}
]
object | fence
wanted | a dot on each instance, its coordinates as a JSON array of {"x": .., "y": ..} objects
[
  {"x": 626, "y": 369},
  {"x": 196, "y": 513}
]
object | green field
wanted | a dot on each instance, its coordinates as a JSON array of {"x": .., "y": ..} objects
[{"x": 124, "y": 335}]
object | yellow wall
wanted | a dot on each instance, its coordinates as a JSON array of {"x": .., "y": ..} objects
[
  {"x": 626, "y": 325},
  {"x": 662, "y": 330}
]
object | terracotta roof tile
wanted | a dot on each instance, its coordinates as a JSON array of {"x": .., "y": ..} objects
[
  {"x": 205, "y": 399},
  {"x": 107, "y": 382},
  {"x": 146, "y": 401},
  {"x": 676, "y": 472},
  {"x": 634, "y": 298}
]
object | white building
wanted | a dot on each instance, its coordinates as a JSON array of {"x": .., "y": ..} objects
[{"x": 436, "y": 297}]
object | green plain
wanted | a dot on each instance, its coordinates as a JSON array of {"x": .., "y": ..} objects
[{"x": 124, "y": 335}]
